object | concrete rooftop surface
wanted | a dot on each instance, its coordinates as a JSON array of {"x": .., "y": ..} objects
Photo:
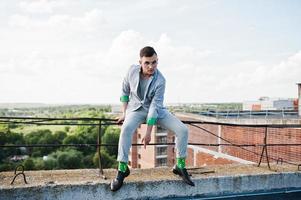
[{"x": 156, "y": 183}]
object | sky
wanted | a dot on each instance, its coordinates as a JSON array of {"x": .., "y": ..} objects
[{"x": 78, "y": 51}]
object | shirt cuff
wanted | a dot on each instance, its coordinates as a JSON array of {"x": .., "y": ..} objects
[
  {"x": 124, "y": 98},
  {"x": 151, "y": 121}
]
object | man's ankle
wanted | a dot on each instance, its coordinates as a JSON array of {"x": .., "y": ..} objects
[
  {"x": 181, "y": 163},
  {"x": 122, "y": 166}
]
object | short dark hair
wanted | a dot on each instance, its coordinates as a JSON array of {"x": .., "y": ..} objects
[{"x": 147, "y": 52}]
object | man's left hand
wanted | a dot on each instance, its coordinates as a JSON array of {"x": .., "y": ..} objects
[{"x": 146, "y": 139}]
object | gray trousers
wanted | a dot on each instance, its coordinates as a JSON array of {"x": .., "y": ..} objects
[{"x": 135, "y": 118}]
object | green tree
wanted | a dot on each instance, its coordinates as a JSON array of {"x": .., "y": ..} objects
[
  {"x": 28, "y": 164},
  {"x": 73, "y": 139},
  {"x": 15, "y": 138},
  {"x": 107, "y": 161},
  {"x": 8, "y": 166},
  {"x": 40, "y": 137},
  {"x": 88, "y": 161},
  {"x": 67, "y": 128},
  {"x": 4, "y": 128},
  {"x": 50, "y": 163},
  {"x": 71, "y": 159},
  {"x": 39, "y": 164},
  {"x": 59, "y": 136},
  {"x": 10, "y": 138},
  {"x": 111, "y": 136},
  {"x": 87, "y": 135}
]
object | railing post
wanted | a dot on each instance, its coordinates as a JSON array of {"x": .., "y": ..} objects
[
  {"x": 266, "y": 113},
  {"x": 265, "y": 149},
  {"x": 99, "y": 150},
  {"x": 20, "y": 173}
]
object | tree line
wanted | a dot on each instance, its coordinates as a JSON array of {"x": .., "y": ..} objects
[{"x": 47, "y": 158}]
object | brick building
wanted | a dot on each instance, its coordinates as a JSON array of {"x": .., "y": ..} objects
[
  {"x": 152, "y": 156},
  {"x": 202, "y": 155}
]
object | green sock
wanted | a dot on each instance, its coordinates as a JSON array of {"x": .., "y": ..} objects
[
  {"x": 122, "y": 166},
  {"x": 181, "y": 163}
]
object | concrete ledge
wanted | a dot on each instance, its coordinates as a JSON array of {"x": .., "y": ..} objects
[{"x": 205, "y": 187}]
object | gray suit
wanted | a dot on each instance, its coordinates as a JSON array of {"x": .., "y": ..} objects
[
  {"x": 150, "y": 109},
  {"x": 153, "y": 96}
]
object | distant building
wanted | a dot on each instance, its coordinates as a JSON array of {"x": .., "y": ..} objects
[
  {"x": 299, "y": 99},
  {"x": 165, "y": 155},
  {"x": 266, "y": 103},
  {"x": 116, "y": 109},
  {"x": 152, "y": 156},
  {"x": 17, "y": 158}
]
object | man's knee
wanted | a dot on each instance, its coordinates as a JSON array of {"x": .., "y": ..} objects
[
  {"x": 128, "y": 128},
  {"x": 184, "y": 129}
]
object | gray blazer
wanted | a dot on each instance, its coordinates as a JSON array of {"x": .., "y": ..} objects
[{"x": 153, "y": 96}]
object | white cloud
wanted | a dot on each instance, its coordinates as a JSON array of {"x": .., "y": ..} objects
[
  {"x": 124, "y": 50},
  {"x": 40, "y": 6},
  {"x": 95, "y": 76},
  {"x": 276, "y": 80},
  {"x": 90, "y": 21},
  {"x": 69, "y": 46},
  {"x": 79, "y": 69},
  {"x": 18, "y": 20}
]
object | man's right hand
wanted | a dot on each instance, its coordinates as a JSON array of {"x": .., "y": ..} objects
[{"x": 121, "y": 119}]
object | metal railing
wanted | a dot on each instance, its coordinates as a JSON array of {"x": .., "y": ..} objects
[{"x": 99, "y": 122}]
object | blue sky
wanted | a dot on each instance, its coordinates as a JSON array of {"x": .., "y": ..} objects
[{"x": 68, "y": 51}]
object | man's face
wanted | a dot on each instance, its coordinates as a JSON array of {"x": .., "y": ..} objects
[{"x": 149, "y": 64}]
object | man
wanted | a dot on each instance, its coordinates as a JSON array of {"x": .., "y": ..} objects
[{"x": 142, "y": 97}]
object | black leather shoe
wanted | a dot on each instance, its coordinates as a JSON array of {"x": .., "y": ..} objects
[
  {"x": 183, "y": 174},
  {"x": 118, "y": 181}
]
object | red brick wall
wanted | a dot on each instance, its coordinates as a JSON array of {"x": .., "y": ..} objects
[
  {"x": 232, "y": 134},
  {"x": 170, "y": 150},
  {"x": 285, "y": 135},
  {"x": 197, "y": 135},
  {"x": 134, "y": 153},
  {"x": 242, "y": 135},
  {"x": 190, "y": 157},
  {"x": 250, "y": 135}
]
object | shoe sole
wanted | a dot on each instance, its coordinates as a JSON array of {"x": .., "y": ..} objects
[
  {"x": 126, "y": 175},
  {"x": 176, "y": 173}
]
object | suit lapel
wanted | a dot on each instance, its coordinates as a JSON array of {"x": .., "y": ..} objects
[{"x": 136, "y": 81}]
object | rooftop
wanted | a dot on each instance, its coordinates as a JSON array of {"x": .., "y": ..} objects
[
  {"x": 143, "y": 183},
  {"x": 86, "y": 176}
]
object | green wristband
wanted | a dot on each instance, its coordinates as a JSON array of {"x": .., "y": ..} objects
[
  {"x": 124, "y": 98},
  {"x": 151, "y": 121}
]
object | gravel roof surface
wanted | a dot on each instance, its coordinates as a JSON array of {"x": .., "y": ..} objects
[{"x": 91, "y": 176}]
